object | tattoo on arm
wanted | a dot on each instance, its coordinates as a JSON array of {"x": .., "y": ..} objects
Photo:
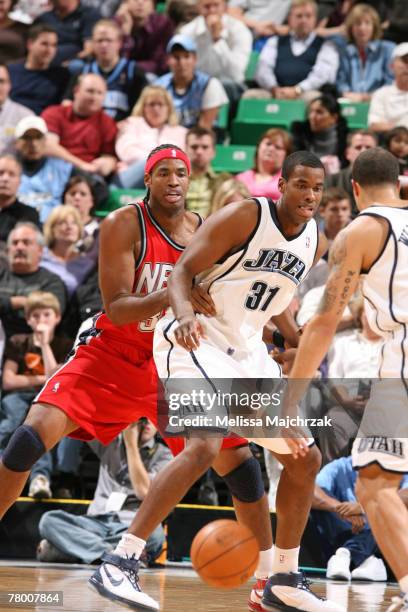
[{"x": 337, "y": 291}]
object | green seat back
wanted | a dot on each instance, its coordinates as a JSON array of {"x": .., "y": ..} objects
[
  {"x": 118, "y": 198},
  {"x": 252, "y": 64},
  {"x": 256, "y": 116},
  {"x": 222, "y": 120},
  {"x": 233, "y": 158},
  {"x": 356, "y": 114}
]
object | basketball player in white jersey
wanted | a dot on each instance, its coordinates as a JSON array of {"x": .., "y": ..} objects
[
  {"x": 374, "y": 246},
  {"x": 253, "y": 255}
]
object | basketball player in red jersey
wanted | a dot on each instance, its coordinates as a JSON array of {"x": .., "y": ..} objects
[{"x": 110, "y": 380}]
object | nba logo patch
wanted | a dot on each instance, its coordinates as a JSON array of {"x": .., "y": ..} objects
[
  {"x": 307, "y": 242},
  {"x": 56, "y": 387},
  {"x": 173, "y": 153}
]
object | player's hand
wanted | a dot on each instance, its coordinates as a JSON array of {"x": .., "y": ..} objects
[
  {"x": 189, "y": 332},
  {"x": 295, "y": 437},
  {"x": 202, "y": 301},
  {"x": 298, "y": 445},
  {"x": 284, "y": 358}
]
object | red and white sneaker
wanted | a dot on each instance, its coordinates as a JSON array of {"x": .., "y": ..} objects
[{"x": 255, "y": 598}]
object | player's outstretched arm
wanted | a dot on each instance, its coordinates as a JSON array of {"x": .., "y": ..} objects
[
  {"x": 222, "y": 233},
  {"x": 355, "y": 248},
  {"x": 120, "y": 245}
]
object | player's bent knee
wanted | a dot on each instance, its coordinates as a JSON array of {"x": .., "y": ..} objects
[
  {"x": 311, "y": 463},
  {"x": 245, "y": 482},
  {"x": 25, "y": 447},
  {"x": 203, "y": 451}
]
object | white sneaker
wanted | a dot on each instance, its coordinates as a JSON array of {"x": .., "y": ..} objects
[
  {"x": 40, "y": 488},
  {"x": 117, "y": 578},
  {"x": 371, "y": 569},
  {"x": 399, "y": 603},
  {"x": 338, "y": 567},
  {"x": 292, "y": 592}
]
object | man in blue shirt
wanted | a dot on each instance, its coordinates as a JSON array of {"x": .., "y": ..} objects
[
  {"x": 73, "y": 23},
  {"x": 43, "y": 178},
  {"x": 124, "y": 79},
  {"x": 197, "y": 97},
  {"x": 341, "y": 522},
  {"x": 36, "y": 83}
]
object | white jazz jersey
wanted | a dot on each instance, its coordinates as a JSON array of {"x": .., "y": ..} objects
[
  {"x": 248, "y": 288},
  {"x": 385, "y": 289},
  {"x": 260, "y": 280},
  {"x": 383, "y": 432}
]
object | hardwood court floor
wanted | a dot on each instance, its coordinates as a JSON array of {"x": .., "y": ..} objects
[{"x": 179, "y": 590}]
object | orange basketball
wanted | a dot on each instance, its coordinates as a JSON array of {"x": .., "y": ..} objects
[{"x": 225, "y": 554}]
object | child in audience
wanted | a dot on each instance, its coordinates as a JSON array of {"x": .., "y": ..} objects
[{"x": 30, "y": 359}]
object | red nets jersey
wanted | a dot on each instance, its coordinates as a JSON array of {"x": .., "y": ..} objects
[{"x": 157, "y": 257}]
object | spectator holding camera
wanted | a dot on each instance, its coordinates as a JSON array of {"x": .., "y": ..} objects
[{"x": 128, "y": 465}]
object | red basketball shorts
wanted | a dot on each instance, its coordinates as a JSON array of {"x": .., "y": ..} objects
[{"x": 107, "y": 385}]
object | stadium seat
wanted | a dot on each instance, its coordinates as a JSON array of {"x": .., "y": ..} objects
[
  {"x": 222, "y": 120},
  {"x": 252, "y": 64},
  {"x": 356, "y": 114},
  {"x": 161, "y": 7},
  {"x": 118, "y": 198},
  {"x": 233, "y": 158},
  {"x": 256, "y": 116}
]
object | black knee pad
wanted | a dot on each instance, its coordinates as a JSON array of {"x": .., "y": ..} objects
[
  {"x": 245, "y": 482},
  {"x": 25, "y": 447}
]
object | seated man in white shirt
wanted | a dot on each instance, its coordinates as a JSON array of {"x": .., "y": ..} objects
[
  {"x": 223, "y": 45},
  {"x": 356, "y": 357},
  {"x": 389, "y": 104},
  {"x": 298, "y": 64}
]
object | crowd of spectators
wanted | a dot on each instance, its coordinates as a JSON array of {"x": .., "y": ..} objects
[{"x": 87, "y": 89}]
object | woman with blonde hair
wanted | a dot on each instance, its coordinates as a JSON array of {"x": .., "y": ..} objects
[
  {"x": 153, "y": 122},
  {"x": 272, "y": 148},
  {"x": 229, "y": 191},
  {"x": 365, "y": 63},
  {"x": 62, "y": 254}
]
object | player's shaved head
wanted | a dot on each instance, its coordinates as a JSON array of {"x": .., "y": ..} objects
[
  {"x": 300, "y": 158},
  {"x": 375, "y": 167}
]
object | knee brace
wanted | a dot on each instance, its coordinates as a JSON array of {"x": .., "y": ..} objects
[
  {"x": 25, "y": 447},
  {"x": 245, "y": 481}
]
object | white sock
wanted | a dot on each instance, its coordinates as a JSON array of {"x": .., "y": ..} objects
[
  {"x": 285, "y": 561},
  {"x": 404, "y": 584},
  {"x": 130, "y": 545},
  {"x": 264, "y": 566}
]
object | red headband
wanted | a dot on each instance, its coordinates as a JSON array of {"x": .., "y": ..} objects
[{"x": 167, "y": 153}]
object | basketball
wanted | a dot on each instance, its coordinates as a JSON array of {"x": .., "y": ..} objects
[{"x": 225, "y": 554}]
